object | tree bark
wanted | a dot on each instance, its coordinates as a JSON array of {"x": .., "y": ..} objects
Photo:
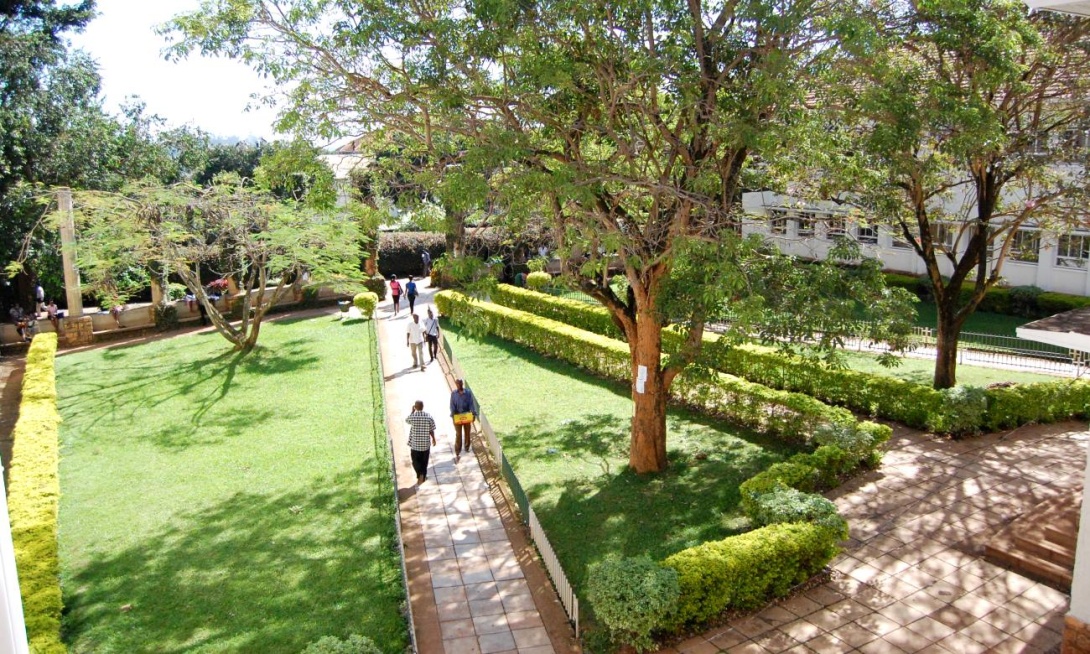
[
  {"x": 647, "y": 451},
  {"x": 946, "y": 344}
]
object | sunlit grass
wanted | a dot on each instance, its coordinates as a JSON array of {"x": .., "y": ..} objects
[{"x": 218, "y": 503}]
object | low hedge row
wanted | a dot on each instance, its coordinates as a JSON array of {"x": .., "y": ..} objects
[
  {"x": 1023, "y": 301},
  {"x": 793, "y": 417},
  {"x": 33, "y": 495},
  {"x": 915, "y": 405}
]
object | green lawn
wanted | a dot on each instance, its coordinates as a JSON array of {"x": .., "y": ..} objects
[
  {"x": 922, "y": 371},
  {"x": 980, "y": 322},
  {"x": 566, "y": 436},
  {"x": 218, "y": 503}
]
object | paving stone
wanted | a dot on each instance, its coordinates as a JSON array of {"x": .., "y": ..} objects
[
  {"x": 775, "y": 641},
  {"x": 854, "y": 634},
  {"x": 532, "y": 637},
  {"x": 478, "y": 608},
  {"x": 461, "y": 646},
  {"x": 829, "y": 644},
  {"x": 491, "y": 624},
  {"x": 493, "y": 643},
  {"x": 457, "y": 629},
  {"x": 523, "y": 619},
  {"x": 802, "y": 630}
]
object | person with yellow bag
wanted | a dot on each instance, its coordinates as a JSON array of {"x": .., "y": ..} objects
[{"x": 463, "y": 410}]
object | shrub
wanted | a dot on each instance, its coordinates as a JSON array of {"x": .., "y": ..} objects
[
  {"x": 33, "y": 493},
  {"x": 354, "y": 644},
  {"x": 742, "y": 572},
  {"x": 377, "y": 285},
  {"x": 1042, "y": 402},
  {"x": 166, "y": 317},
  {"x": 366, "y": 303},
  {"x": 633, "y": 597},
  {"x": 964, "y": 410},
  {"x": 1049, "y": 303},
  {"x": 399, "y": 252},
  {"x": 537, "y": 264},
  {"x": 1023, "y": 301},
  {"x": 785, "y": 505},
  {"x": 538, "y": 280}
]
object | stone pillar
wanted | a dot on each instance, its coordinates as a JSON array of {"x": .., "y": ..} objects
[
  {"x": 1076, "y": 629},
  {"x": 156, "y": 291},
  {"x": 68, "y": 254},
  {"x": 78, "y": 331}
]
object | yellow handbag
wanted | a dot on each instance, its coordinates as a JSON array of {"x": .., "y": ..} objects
[{"x": 463, "y": 418}]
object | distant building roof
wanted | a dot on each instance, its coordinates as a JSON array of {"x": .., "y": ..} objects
[
  {"x": 1073, "y": 7},
  {"x": 1070, "y": 329}
]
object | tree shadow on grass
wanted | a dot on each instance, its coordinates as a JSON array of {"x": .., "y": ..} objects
[
  {"x": 254, "y": 573},
  {"x": 204, "y": 383}
]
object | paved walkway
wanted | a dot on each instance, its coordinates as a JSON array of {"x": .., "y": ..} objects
[
  {"x": 912, "y": 578},
  {"x": 474, "y": 583}
]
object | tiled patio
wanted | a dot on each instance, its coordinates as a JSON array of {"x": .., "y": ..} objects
[{"x": 912, "y": 579}]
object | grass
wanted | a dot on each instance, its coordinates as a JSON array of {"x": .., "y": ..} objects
[
  {"x": 566, "y": 436},
  {"x": 218, "y": 503},
  {"x": 922, "y": 371},
  {"x": 979, "y": 322}
]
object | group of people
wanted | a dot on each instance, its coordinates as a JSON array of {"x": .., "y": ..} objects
[
  {"x": 463, "y": 413},
  {"x": 26, "y": 323}
]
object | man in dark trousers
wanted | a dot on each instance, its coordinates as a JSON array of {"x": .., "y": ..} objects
[
  {"x": 421, "y": 438},
  {"x": 463, "y": 410}
]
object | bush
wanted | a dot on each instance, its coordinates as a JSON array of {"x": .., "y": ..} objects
[
  {"x": 743, "y": 572},
  {"x": 354, "y": 644},
  {"x": 399, "y": 252},
  {"x": 1023, "y": 301},
  {"x": 538, "y": 280},
  {"x": 633, "y": 597},
  {"x": 1042, "y": 402},
  {"x": 1050, "y": 303},
  {"x": 33, "y": 493},
  {"x": 537, "y": 264},
  {"x": 166, "y": 317},
  {"x": 964, "y": 410},
  {"x": 377, "y": 285},
  {"x": 366, "y": 303},
  {"x": 785, "y": 505}
]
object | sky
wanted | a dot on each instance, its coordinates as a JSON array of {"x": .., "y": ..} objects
[{"x": 210, "y": 93}]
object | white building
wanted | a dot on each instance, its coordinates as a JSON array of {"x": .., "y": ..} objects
[{"x": 1049, "y": 261}]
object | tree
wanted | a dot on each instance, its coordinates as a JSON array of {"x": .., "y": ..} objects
[
  {"x": 630, "y": 125},
  {"x": 233, "y": 229},
  {"x": 959, "y": 125}
]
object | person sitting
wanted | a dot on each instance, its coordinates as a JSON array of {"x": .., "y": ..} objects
[
  {"x": 21, "y": 322},
  {"x": 53, "y": 314},
  {"x": 116, "y": 313}
]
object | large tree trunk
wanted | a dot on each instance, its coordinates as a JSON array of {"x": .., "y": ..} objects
[
  {"x": 946, "y": 344},
  {"x": 647, "y": 452}
]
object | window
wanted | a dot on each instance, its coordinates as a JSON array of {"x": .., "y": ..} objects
[
  {"x": 777, "y": 224},
  {"x": 1025, "y": 245},
  {"x": 806, "y": 224},
  {"x": 897, "y": 238},
  {"x": 945, "y": 236},
  {"x": 835, "y": 228},
  {"x": 1073, "y": 250},
  {"x": 867, "y": 234}
]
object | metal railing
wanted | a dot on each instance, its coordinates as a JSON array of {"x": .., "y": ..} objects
[{"x": 537, "y": 534}]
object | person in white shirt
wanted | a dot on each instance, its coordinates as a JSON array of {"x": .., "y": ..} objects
[
  {"x": 414, "y": 339},
  {"x": 431, "y": 332}
]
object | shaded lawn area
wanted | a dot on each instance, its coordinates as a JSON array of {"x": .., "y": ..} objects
[
  {"x": 922, "y": 371},
  {"x": 980, "y": 322},
  {"x": 233, "y": 503},
  {"x": 566, "y": 435}
]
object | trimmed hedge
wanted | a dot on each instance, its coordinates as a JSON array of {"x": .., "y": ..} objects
[
  {"x": 744, "y": 571},
  {"x": 399, "y": 252},
  {"x": 913, "y": 404},
  {"x": 1023, "y": 301},
  {"x": 33, "y": 495},
  {"x": 792, "y": 417}
]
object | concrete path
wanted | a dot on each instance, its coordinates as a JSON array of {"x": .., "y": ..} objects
[
  {"x": 474, "y": 584},
  {"x": 912, "y": 578}
]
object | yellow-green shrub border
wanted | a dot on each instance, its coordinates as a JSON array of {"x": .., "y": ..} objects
[{"x": 33, "y": 495}]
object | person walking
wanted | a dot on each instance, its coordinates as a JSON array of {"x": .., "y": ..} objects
[
  {"x": 431, "y": 333},
  {"x": 426, "y": 258},
  {"x": 39, "y": 299},
  {"x": 410, "y": 292},
  {"x": 421, "y": 439},
  {"x": 463, "y": 411},
  {"x": 414, "y": 339},
  {"x": 395, "y": 292}
]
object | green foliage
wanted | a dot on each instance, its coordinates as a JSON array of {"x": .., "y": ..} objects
[
  {"x": 633, "y": 597},
  {"x": 1044, "y": 402},
  {"x": 354, "y": 644},
  {"x": 399, "y": 252},
  {"x": 1050, "y": 303},
  {"x": 538, "y": 280},
  {"x": 537, "y": 264},
  {"x": 785, "y": 505},
  {"x": 792, "y": 417},
  {"x": 293, "y": 172},
  {"x": 33, "y": 492},
  {"x": 743, "y": 572},
  {"x": 964, "y": 410},
  {"x": 377, "y": 285},
  {"x": 366, "y": 303},
  {"x": 166, "y": 317}
]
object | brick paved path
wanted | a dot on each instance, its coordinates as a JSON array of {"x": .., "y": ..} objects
[
  {"x": 474, "y": 583},
  {"x": 912, "y": 578}
]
